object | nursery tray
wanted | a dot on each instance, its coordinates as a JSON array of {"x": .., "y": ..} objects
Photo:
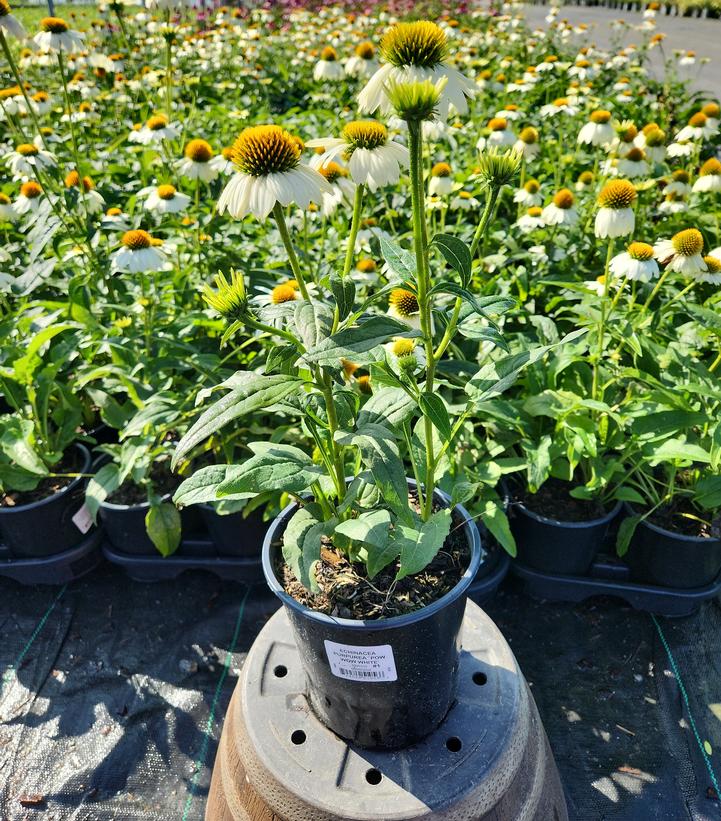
[
  {"x": 59, "y": 568},
  {"x": 608, "y": 578},
  {"x": 484, "y": 589},
  {"x": 160, "y": 568}
]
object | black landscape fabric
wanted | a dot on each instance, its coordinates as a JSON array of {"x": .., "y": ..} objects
[{"x": 114, "y": 693}]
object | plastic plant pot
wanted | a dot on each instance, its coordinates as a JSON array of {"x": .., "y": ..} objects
[
  {"x": 662, "y": 557},
  {"x": 234, "y": 534},
  {"x": 46, "y": 527},
  {"x": 383, "y": 683},
  {"x": 554, "y": 546}
]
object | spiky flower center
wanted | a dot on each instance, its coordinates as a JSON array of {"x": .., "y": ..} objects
[
  {"x": 655, "y": 137},
  {"x": 563, "y": 199},
  {"x": 441, "y": 169},
  {"x": 40, "y": 97},
  {"x": 535, "y": 211},
  {"x": 641, "y": 251},
  {"x": 421, "y": 43},
  {"x": 698, "y": 120},
  {"x": 405, "y": 302},
  {"x": 711, "y": 167},
  {"x": 403, "y": 347},
  {"x": 497, "y": 124},
  {"x": 528, "y": 135},
  {"x": 284, "y": 292},
  {"x": 4, "y": 8},
  {"x": 628, "y": 133},
  {"x": 137, "y": 240},
  {"x": 560, "y": 102},
  {"x": 166, "y": 192},
  {"x": 113, "y": 212},
  {"x": 329, "y": 54},
  {"x": 681, "y": 176},
  {"x": 366, "y": 266},
  {"x": 333, "y": 172},
  {"x": 265, "y": 149},
  {"x": 4, "y": 199},
  {"x": 157, "y": 122},
  {"x": 585, "y": 177},
  {"x": 365, "y": 134},
  {"x": 600, "y": 116},
  {"x": 198, "y": 151},
  {"x": 713, "y": 264},
  {"x": 31, "y": 189},
  {"x": 366, "y": 50},
  {"x": 712, "y": 110},
  {"x": 617, "y": 194},
  {"x": 55, "y": 25},
  {"x": 532, "y": 186},
  {"x": 27, "y": 150},
  {"x": 688, "y": 242},
  {"x": 635, "y": 155}
]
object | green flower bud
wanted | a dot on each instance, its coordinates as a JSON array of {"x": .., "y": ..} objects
[
  {"x": 498, "y": 168},
  {"x": 416, "y": 101},
  {"x": 230, "y": 299}
]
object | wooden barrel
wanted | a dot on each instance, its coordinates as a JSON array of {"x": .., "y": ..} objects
[{"x": 489, "y": 760}]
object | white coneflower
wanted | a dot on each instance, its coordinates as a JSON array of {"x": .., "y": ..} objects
[
  {"x": 269, "y": 171},
  {"x": 673, "y": 203},
  {"x": 40, "y": 101},
  {"x": 559, "y": 107},
  {"x": 441, "y": 181},
  {"x": 328, "y": 67},
  {"x": 223, "y": 162},
  {"x": 712, "y": 273},
  {"x": 531, "y": 220},
  {"x": 548, "y": 64},
  {"x": 464, "y": 201},
  {"x": 682, "y": 253},
  {"x": 615, "y": 217},
  {"x": 164, "y": 199},
  {"x": 403, "y": 305},
  {"x": 713, "y": 112},
  {"x": 363, "y": 62},
  {"x": 510, "y": 112},
  {"x": 196, "y": 163},
  {"x": 698, "y": 128},
  {"x": 373, "y": 158},
  {"x": 280, "y": 294},
  {"x": 26, "y": 158},
  {"x": 501, "y": 135},
  {"x": 56, "y": 35},
  {"x": 596, "y": 286},
  {"x": 94, "y": 202},
  {"x": 633, "y": 164},
  {"x": 530, "y": 194},
  {"x": 679, "y": 183},
  {"x": 7, "y": 212},
  {"x": 341, "y": 187},
  {"x": 709, "y": 177},
  {"x": 156, "y": 130},
  {"x": 29, "y": 198},
  {"x": 635, "y": 263},
  {"x": 9, "y": 23},
  {"x": 653, "y": 141},
  {"x": 527, "y": 143},
  {"x": 139, "y": 253},
  {"x": 585, "y": 181},
  {"x": 682, "y": 148},
  {"x": 115, "y": 220},
  {"x": 598, "y": 131},
  {"x": 560, "y": 210},
  {"x": 415, "y": 52}
]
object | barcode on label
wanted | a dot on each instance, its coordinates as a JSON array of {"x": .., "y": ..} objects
[
  {"x": 359, "y": 673},
  {"x": 361, "y": 662}
]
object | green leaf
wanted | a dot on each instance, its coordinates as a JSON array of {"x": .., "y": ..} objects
[
  {"x": 203, "y": 485},
  {"x": 343, "y": 290},
  {"x": 100, "y": 486},
  {"x": 628, "y": 494},
  {"x": 708, "y": 492},
  {"x": 281, "y": 359},
  {"x": 162, "y": 523},
  {"x": 456, "y": 253},
  {"x": 351, "y": 343},
  {"x": 419, "y": 545},
  {"x": 433, "y": 406},
  {"x": 463, "y": 491},
  {"x": 387, "y": 406},
  {"x": 400, "y": 261},
  {"x": 302, "y": 542},
  {"x": 495, "y": 519},
  {"x": 625, "y": 533},
  {"x": 250, "y": 392},
  {"x": 539, "y": 463},
  {"x": 666, "y": 422},
  {"x": 676, "y": 450},
  {"x": 313, "y": 321},
  {"x": 372, "y": 529},
  {"x": 274, "y": 467},
  {"x": 17, "y": 442}
]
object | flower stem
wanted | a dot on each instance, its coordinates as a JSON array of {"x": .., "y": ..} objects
[
  {"x": 482, "y": 225},
  {"x": 354, "y": 226},
  {"x": 287, "y": 242},
  {"x": 602, "y": 322}
]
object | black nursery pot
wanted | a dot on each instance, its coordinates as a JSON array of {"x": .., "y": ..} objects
[
  {"x": 553, "y": 546},
  {"x": 46, "y": 527},
  {"x": 234, "y": 534},
  {"x": 384, "y": 683},
  {"x": 661, "y": 557}
]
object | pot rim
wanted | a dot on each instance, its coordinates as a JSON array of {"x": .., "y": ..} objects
[
  {"x": 474, "y": 540},
  {"x": 8, "y": 511},
  {"x": 601, "y": 520},
  {"x": 114, "y": 506},
  {"x": 681, "y": 537}
]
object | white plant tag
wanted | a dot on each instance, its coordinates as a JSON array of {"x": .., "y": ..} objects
[
  {"x": 361, "y": 663},
  {"x": 83, "y": 520}
]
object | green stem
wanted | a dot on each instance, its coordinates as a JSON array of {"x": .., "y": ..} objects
[
  {"x": 656, "y": 289},
  {"x": 481, "y": 228},
  {"x": 354, "y": 226},
  {"x": 678, "y": 296},
  {"x": 288, "y": 244},
  {"x": 602, "y": 322}
]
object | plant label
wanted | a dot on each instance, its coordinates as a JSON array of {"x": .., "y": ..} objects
[
  {"x": 83, "y": 520},
  {"x": 361, "y": 663}
]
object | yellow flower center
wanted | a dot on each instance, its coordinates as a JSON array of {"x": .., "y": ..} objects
[
  {"x": 711, "y": 167},
  {"x": 635, "y": 155},
  {"x": 528, "y": 135},
  {"x": 284, "y": 292},
  {"x": 4, "y": 199},
  {"x": 510, "y": 107},
  {"x": 40, "y": 97},
  {"x": 441, "y": 169},
  {"x": 365, "y": 51},
  {"x": 563, "y": 199},
  {"x": 113, "y": 212},
  {"x": 56, "y": 25},
  {"x": 30, "y": 190},
  {"x": 600, "y": 116},
  {"x": 421, "y": 43},
  {"x": 329, "y": 54},
  {"x": 349, "y": 368},
  {"x": 681, "y": 176},
  {"x": 628, "y": 133},
  {"x": 332, "y": 172},
  {"x": 166, "y": 192},
  {"x": 405, "y": 302},
  {"x": 157, "y": 122},
  {"x": 688, "y": 243},
  {"x": 366, "y": 266},
  {"x": 617, "y": 194},
  {"x": 364, "y": 384},
  {"x": 655, "y": 137},
  {"x": 640, "y": 250},
  {"x": 551, "y": 59},
  {"x": 265, "y": 149},
  {"x": 712, "y": 110},
  {"x": 698, "y": 120},
  {"x": 532, "y": 186},
  {"x": 465, "y": 195},
  {"x": 712, "y": 264},
  {"x": 560, "y": 101},
  {"x": 27, "y": 150},
  {"x": 4, "y": 8},
  {"x": 403, "y": 347},
  {"x": 535, "y": 211},
  {"x": 585, "y": 177},
  {"x": 497, "y": 124},
  {"x": 365, "y": 134},
  {"x": 137, "y": 240},
  {"x": 198, "y": 151}
]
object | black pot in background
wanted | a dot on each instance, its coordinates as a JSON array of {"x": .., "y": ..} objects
[
  {"x": 46, "y": 527},
  {"x": 233, "y": 534},
  {"x": 553, "y": 546},
  {"x": 661, "y": 557},
  {"x": 410, "y": 664}
]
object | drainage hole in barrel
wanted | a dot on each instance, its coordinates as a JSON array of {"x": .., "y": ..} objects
[
  {"x": 479, "y": 678},
  {"x": 454, "y": 744},
  {"x": 373, "y": 776},
  {"x": 280, "y": 671},
  {"x": 297, "y": 737}
]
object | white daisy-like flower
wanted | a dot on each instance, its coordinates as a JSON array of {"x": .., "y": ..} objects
[
  {"x": 615, "y": 217},
  {"x": 635, "y": 263},
  {"x": 372, "y": 157},
  {"x": 530, "y": 194},
  {"x": 403, "y": 305},
  {"x": 139, "y": 253},
  {"x": 164, "y": 199},
  {"x": 9, "y": 23},
  {"x": 699, "y": 128},
  {"x": 269, "y": 171},
  {"x": 441, "y": 181},
  {"x": 510, "y": 112},
  {"x": 527, "y": 143},
  {"x": 712, "y": 273},
  {"x": 531, "y": 220},
  {"x": 341, "y": 187},
  {"x": 92, "y": 199},
  {"x": 363, "y": 62},
  {"x": 501, "y": 135},
  {"x": 7, "y": 211},
  {"x": 598, "y": 131},
  {"x": 673, "y": 204},
  {"x": 328, "y": 67},
  {"x": 596, "y": 286},
  {"x": 26, "y": 158},
  {"x": 633, "y": 164},
  {"x": 29, "y": 199},
  {"x": 561, "y": 211},
  {"x": 709, "y": 177},
  {"x": 196, "y": 163},
  {"x": 415, "y": 52},
  {"x": 56, "y": 35},
  {"x": 559, "y": 107},
  {"x": 464, "y": 201},
  {"x": 156, "y": 130},
  {"x": 682, "y": 148},
  {"x": 682, "y": 253}
]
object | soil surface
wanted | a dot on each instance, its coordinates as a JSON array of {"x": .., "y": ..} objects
[
  {"x": 164, "y": 482},
  {"x": 72, "y": 462},
  {"x": 346, "y": 591},
  {"x": 554, "y": 502},
  {"x": 676, "y": 518}
]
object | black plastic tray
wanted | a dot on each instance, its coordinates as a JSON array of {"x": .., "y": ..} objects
[
  {"x": 59, "y": 568},
  {"x": 609, "y": 578},
  {"x": 160, "y": 568},
  {"x": 483, "y": 589}
]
